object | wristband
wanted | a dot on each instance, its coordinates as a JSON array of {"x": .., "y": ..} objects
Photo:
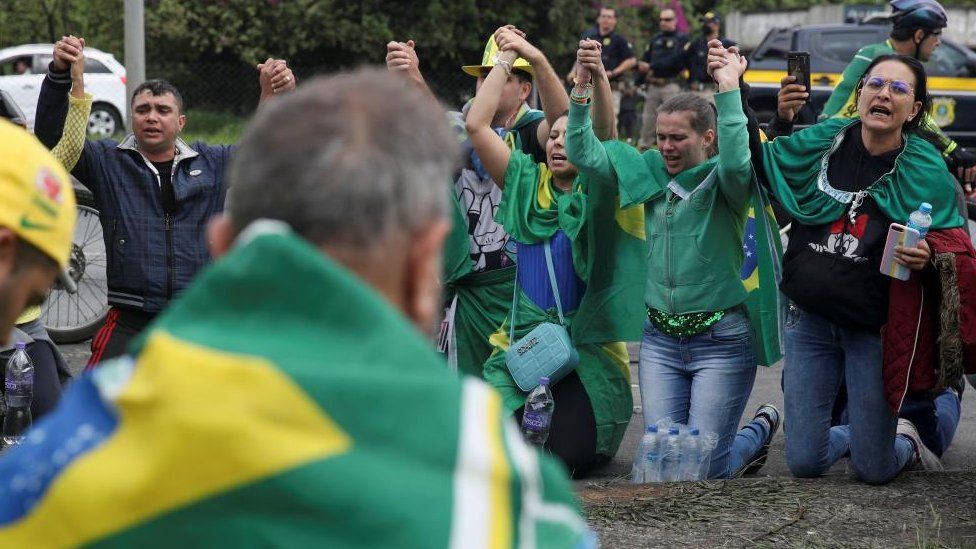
[{"x": 504, "y": 64}]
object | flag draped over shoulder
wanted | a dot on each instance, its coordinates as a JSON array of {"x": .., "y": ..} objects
[
  {"x": 609, "y": 248},
  {"x": 251, "y": 415}
]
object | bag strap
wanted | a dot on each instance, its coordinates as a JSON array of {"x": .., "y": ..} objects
[
  {"x": 552, "y": 282},
  {"x": 511, "y": 327}
]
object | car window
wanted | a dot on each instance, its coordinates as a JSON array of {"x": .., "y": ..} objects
[
  {"x": 946, "y": 60},
  {"x": 14, "y": 66},
  {"x": 93, "y": 66},
  {"x": 776, "y": 46},
  {"x": 841, "y": 45}
]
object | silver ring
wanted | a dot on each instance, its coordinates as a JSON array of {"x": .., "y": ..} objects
[{"x": 287, "y": 79}]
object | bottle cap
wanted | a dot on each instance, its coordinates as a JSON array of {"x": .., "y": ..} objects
[
  {"x": 925, "y": 207},
  {"x": 20, "y": 345},
  {"x": 543, "y": 380},
  {"x": 652, "y": 428}
]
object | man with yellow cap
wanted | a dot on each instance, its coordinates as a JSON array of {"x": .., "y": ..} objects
[
  {"x": 37, "y": 219},
  {"x": 479, "y": 269}
]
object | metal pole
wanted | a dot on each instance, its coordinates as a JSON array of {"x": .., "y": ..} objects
[{"x": 135, "y": 51}]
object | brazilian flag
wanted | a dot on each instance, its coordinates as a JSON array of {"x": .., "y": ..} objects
[{"x": 761, "y": 274}]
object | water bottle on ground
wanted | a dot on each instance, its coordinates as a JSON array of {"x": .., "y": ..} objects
[
  {"x": 537, "y": 416},
  {"x": 691, "y": 456},
  {"x": 671, "y": 460},
  {"x": 18, "y": 392},
  {"x": 647, "y": 462},
  {"x": 921, "y": 219}
]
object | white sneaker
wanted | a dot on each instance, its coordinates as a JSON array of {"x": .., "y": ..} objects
[{"x": 924, "y": 458}]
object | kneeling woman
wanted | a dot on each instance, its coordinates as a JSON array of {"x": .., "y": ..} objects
[
  {"x": 844, "y": 181},
  {"x": 697, "y": 363},
  {"x": 548, "y": 205}
]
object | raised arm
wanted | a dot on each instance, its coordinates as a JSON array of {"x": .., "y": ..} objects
[
  {"x": 275, "y": 78},
  {"x": 491, "y": 148},
  {"x": 52, "y": 104},
  {"x": 551, "y": 92},
  {"x": 401, "y": 58},
  {"x": 583, "y": 148},
  {"x": 734, "y": 159},
  {"x": 69, "y": 147},
  {"x": 604, "y": 121}
]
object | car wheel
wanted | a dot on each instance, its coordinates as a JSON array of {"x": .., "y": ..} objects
[
  {"x": 71, "y": 317},
  {"x": 104, "y": 121}
]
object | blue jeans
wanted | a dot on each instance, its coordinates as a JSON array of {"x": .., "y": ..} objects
[
  {"x": 704, "y": 381},
  {"x": 819, "y": 357},
  {"x": 936, "y": 419}
]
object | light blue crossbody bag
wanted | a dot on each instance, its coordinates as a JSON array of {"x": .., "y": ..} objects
[{"x": 546, "y": 351}]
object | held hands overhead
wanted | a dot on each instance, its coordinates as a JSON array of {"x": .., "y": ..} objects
[
  {"x": 725, "y": 65},
  {"x": 590, "y": 60},
  {"x": 275, "y": 77}
]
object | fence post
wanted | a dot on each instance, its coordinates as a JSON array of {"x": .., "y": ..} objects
[{"x": 135, "y": 52}]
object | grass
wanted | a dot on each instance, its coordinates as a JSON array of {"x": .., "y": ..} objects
[{"x": 213, "y": 127}]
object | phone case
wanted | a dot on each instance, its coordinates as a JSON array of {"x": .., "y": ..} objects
[
  {"x": 798, "y": 65},
  {"x": 898, "y": 235}
]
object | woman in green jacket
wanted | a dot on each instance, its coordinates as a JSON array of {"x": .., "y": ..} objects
[
  {"x": 697, "y": 364},
  {"x": 548, "y": 205}
]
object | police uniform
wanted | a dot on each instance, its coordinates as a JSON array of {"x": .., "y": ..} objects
[{"x": 665, "y": 55}]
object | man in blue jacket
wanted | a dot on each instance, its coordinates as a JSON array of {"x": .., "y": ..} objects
[{"x": 154, "y": 193}]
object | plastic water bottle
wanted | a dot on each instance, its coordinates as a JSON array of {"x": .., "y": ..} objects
[
  {"x": 537, "y": 416},
  {"x": 671, "y": 459},
  {"x": 691, "y": 455},
  {"x": 19, "y": 390},
  {"x": 647, "y": 462},
  {"x": 921, "y": 219}
]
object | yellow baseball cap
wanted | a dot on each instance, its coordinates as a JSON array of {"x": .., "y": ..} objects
[
  {"x": 37, "y": 201},
  {"x": 488, "y": 61}
]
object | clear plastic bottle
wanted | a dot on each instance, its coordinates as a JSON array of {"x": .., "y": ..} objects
[
  {"x": 647, "y": 462},
  {"x": 18, "y": 393},
  {"x": 537, "y": 416},
  {"x": 691, "y": 456},
  {"x": 921, "y": 219},
  {"x": 671, "y": 456}
]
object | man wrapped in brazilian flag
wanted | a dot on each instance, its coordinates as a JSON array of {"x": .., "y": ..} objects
[{"x": 290, "y": 397}]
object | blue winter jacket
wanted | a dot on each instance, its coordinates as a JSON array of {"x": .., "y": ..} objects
[{"x": 151, "y": 256}]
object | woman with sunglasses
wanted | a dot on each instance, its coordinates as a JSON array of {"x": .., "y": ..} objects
[{"x": 845, "y": 181}]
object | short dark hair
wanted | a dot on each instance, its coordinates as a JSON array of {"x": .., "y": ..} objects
[
  {"x": 901, "y": 34},
  {"x": 159, "y": 87},
  {"x": 28, "y": 256},
  {"x": 599, "y": 10},
  {"x": 921, "y": 85}
]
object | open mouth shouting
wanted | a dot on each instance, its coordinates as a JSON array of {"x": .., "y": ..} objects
[{"x": 880, "y": 112}]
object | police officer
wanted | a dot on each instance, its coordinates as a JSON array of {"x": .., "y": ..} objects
[
  {"x": 617, "y": 53},
  {"x": 662, "y": 63},
  {"x": 696, "y": 56}
]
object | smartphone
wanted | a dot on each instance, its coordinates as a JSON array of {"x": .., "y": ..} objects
[
  {"x": 898, "y": 235},
  {"x": 798, "y": 65}
]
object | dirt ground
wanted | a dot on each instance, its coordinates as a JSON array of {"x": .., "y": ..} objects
[{"x": 916, "y": 510}]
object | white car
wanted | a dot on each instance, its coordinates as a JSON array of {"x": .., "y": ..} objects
[{"x": 22, "y": 69}]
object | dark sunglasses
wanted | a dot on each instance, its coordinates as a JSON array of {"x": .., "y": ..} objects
[
  {"x": 874, "y": 84},
  {"x": 666, "y": 19}
]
